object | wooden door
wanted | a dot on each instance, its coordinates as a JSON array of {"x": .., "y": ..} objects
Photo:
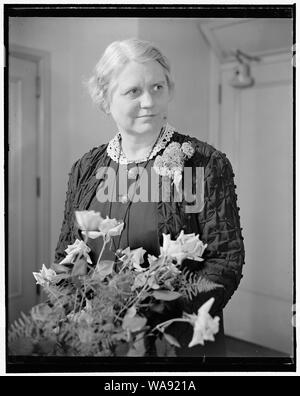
[
  {"x": 22, "y": 189},
  {"x": 256, "y": 134}
]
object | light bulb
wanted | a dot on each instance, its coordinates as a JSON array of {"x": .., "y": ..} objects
[{"x": 242, "y": 76}]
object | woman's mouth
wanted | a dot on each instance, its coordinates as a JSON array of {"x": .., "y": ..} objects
[{"x": 147, "y": 116}]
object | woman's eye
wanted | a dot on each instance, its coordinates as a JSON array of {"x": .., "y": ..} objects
[
  {"x": 133, "y": 92},
  {"x": 158, "y": 87}
]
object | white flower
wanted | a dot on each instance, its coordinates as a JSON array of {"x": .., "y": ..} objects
[
  {"x": 177, "y": 177},
  {"x": 192, "y": 246},
  {"x": 171, "y": 162},
  {"x": 205, "y": 327},
  {"x": 110, "y": 227},
  {"x": 172, "y": 249},
  {"x": 88, "y": 220},
  {"x": 93, "y": 225},
  {"x": 187, "y": 149},
  {"x": 173, "y": 146},
  {"x": 45, "y": 276},
  {"x": 73, "y": 251},
  {"x": 152, "y": 259},
  {"x": 185, "y": 246},
  {"x": 136, "y": 257}
]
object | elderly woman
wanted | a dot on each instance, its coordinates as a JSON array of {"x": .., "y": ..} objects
[{"x": 133, "y": 84}]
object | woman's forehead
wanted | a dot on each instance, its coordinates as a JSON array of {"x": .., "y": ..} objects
[{"x": 134, "y": 72}]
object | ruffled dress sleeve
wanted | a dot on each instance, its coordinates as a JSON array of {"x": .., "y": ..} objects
[{"x": 219, "y": 225}]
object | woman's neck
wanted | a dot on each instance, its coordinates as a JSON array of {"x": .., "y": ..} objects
[{"x": 138, "y": 146}]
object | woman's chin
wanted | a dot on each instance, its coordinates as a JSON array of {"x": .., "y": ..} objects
[{"x": 148, "y": 127}]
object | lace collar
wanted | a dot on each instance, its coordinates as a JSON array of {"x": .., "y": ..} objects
[{"x": 114, "y": 148}]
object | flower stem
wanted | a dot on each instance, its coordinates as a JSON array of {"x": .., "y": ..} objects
[
  {"x": 74, "y": 309},
  {"x": 84, "y": 294},
  {"x": 168, "y": 322},
  {"x": 131, "y": 302},
  {"x": 102, "y": 250}
]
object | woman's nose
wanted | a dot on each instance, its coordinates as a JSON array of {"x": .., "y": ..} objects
[{"x": 147, "y": 100}]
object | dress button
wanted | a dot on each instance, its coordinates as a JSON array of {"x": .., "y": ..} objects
[
  {"x": 133, "y": 173},
  {"x": 124, "y": 199}
]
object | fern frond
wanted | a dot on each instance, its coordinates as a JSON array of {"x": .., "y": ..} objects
[
  {"x": 193, "y": 283},
  {"x": 20, "y": 328}
]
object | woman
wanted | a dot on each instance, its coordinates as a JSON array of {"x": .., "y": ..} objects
[{"x": 133, "y": 84}]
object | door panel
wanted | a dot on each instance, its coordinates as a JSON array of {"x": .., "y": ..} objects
[
  {"x": 22, "y": 199},
  {"x": 256, "y": 134}
]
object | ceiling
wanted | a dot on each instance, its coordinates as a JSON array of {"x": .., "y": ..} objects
[{"x": 252, "y": 36}]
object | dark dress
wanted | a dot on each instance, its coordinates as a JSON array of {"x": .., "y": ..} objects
[
  {"x": 217, "y": 224},
  {"x": 140, "y": 220}
]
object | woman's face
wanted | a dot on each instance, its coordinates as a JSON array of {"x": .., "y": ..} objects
[{"x": 139, "y": 98}]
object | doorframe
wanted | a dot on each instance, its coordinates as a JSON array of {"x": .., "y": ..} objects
[{"x": 43, "y": 62}]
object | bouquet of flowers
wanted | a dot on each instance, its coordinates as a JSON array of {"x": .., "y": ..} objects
[{"x": 103, "y": 309}]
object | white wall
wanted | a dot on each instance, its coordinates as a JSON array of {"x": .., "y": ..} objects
[{"x": 75, "y": 45}]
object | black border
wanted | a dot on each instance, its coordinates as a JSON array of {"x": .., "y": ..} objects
[
  {"x": 47, "y": 364},
  {"x": 148, "y": 10},
  {"x": 30, "y": 364}
]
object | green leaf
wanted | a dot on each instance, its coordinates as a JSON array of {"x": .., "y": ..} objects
[
  {"x": 77, "y": 281},
  {"x": 135, "y": 323},
  {"x": 46, "y": 346},
  {"x": 137, "y": 349},
  {"x": 104, "y": 268},
  {"x": 122, "y": 349},
  {"x": 131, "y": 312},
  {"x": 166, "y": 295},
  {"x": 60, "y": 277},
  {"x": 158, "y": 307},
  {"x": 80, "y": 268},
  {"x": 171, "y": 340},
  {"x": 163, "y": 348},
  {"x": 60, "y": 268},
  {"x": 120, "y": 336},
  {"x": 160, "y": 346}
]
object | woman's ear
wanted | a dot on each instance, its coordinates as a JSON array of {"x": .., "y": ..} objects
[{"x": 106, "y": 108}]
